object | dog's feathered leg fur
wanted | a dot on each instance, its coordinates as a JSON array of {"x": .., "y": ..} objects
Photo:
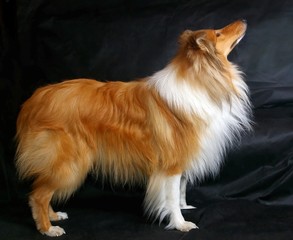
[{"x": 163, "y": 200}]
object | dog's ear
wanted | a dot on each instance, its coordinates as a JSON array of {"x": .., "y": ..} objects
[
  {"x": 194, "y": 41},
  {"x": 203, "y": 42}
]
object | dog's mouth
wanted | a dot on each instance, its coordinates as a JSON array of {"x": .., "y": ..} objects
[{"x": 237, "y": 41}]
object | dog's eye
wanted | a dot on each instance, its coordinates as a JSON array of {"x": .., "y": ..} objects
[{"x": 218, "y": 34}]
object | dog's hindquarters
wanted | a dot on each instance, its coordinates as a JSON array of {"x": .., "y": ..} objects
[{"x": 57, "y": 166}]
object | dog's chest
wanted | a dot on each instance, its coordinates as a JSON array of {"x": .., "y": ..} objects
[{"x": 223, "y": 127}]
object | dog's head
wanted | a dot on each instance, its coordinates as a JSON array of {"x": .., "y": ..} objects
[
  {"x": 210, "y": 41},
  {"x": 202, "y": 59}
]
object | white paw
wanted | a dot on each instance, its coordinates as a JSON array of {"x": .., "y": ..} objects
[
  {"x": 186, "y": 226},
  {"x": 62, "y": 215},
  {"x": 187, "y": 206},
  {"x": 55, "y": 231}
]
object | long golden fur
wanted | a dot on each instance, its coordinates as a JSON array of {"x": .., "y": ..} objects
[{"x": 135, "y": 131}]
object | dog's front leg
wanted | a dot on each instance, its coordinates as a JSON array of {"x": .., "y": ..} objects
[
  {"x": 183, "y": 204},
  {"x": 173, "y": 205}
]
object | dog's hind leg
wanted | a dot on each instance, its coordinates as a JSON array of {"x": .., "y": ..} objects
[
  {"x": 56, "y": 216},
  {"x": 60, "y": 186},
  {"x": 66, "y": 166},
  {"x": 39, "y": 201}
]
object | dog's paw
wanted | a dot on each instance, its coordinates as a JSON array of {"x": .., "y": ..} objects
[
  {"x": 62, "y": 215},
  {"x": 184, "y": 206},
  {"x": 58, "y": 216},
  {"x": 55, "y": 231},
  {"x": 186, "y": 226}
]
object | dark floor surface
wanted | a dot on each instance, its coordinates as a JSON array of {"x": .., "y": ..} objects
[{"x": 120, "y": 216}]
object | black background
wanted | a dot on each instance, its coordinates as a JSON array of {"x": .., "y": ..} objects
[{"x": 48, "y": 41}]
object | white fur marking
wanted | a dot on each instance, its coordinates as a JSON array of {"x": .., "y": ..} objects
[
  {"x": 62, "y": 215},
  {"x": 179, "y": 94},
  {"x": 155, "y": 199},
  {"x": 55, "y": 231},
  {"x": 183, "y": 204},
  {"x": 163, "y": 200},
  {"x": 224, "y": 128}
]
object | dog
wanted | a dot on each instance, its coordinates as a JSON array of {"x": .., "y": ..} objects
[{"x": 163, "y": 131}]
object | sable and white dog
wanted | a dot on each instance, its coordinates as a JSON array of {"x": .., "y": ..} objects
[{"x": 163, "y": 130}]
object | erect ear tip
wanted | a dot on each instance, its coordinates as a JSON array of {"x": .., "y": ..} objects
[
  {"x": 188, "y": 32},
  {"x": 185, "y": 36}
]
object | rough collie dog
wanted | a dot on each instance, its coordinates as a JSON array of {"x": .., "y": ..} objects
[{"x": 163, "y": 130}]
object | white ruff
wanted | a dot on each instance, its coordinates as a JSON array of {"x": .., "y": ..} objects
[
  {"x": 225, "y": 126},
  {"x": 225, "y": 122},
  {"x": 178, "y": 94}
]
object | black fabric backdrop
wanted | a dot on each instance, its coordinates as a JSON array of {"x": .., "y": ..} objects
[{"x": 49, "y": 41}]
